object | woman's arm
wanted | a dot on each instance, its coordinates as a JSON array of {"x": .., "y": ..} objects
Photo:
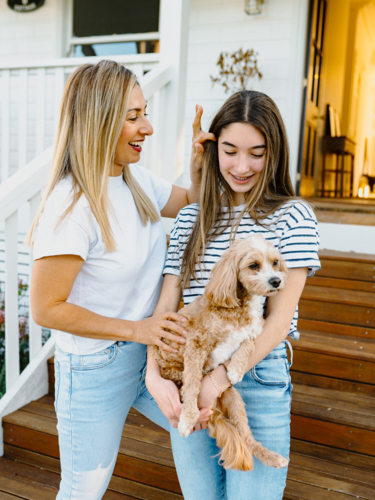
[
  {"x": 51, "y": 284},
  {"x": 181, "y": 197},
  {"x": 280, "y": 312},
  {"x": 164, "y": 391}
]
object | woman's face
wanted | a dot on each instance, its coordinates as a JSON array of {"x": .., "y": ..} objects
[
  {"x": 242, "y": 155},
  {"x": 134, "y": 131}
]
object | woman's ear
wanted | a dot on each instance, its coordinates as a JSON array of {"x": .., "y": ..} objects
[{"x": 221, "y": 290}]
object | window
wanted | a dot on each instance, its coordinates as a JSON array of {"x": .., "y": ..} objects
[{"x": 115, "y": 27}]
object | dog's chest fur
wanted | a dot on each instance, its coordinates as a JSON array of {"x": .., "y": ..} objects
[{"x": 237, "y": 334}]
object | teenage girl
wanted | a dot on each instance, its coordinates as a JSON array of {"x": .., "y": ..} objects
[{"x": 246, "y": 189}]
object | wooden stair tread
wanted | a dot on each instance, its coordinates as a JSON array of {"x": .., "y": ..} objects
[
  {"x": 319, "y": 405},
  {"x": 313, "y": 325},
  {"x": 30, "y": 482},
  {"x": 339, "y": 296},
  {"x": 364, "y": 286},
  {"x": 336, "y": 255},
  {"x": 338, "y": 345},
  {"x": 334, "y": 396}
]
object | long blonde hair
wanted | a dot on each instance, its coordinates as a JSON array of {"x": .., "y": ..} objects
[
  {"x": 272, "y": 190},
  {"x": 92, "y": 114}
]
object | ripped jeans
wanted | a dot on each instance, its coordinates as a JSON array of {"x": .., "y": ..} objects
[{"x": 93, "y": 395}]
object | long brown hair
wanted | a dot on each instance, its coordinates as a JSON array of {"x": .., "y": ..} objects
[
  {"x": 92, "y": 114},
  {"x": 272, "y": 190}
]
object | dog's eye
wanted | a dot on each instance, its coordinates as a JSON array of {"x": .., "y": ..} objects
[
  {"x": 254, "y": 266},
  {"x": 275, "y": 263}
]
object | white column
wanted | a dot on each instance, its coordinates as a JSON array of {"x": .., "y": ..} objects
[{"x": 174, "y": 29}]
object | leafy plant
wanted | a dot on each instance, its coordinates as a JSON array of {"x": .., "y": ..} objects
[
  {"x": 23, "y": 328},
  {"x": 237, "y": 70}
]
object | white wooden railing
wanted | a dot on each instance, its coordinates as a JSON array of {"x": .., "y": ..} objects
[
  {"x": 30, "y": 95},
  {"x": 25, "y": 187}
]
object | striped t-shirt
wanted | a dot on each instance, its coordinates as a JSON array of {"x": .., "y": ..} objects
[{"x": 293, "y": 229}]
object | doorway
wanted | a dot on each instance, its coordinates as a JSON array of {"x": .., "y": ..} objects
[{"x": 337, "y": 141}]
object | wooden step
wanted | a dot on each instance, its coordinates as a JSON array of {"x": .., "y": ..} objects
[
  {"x": 364, "y": 286},
  {"x": 334, "y": 418},
  {"x": 336, "y": 328},
  {"x": 348, "y": 266}
]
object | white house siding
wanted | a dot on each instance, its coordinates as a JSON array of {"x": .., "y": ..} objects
[
  {"x": 32, "y": 35},
  {"x": 278, "y": 36}
]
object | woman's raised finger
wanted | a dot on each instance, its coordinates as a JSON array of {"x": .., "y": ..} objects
[{"x": 197, "y": 127}]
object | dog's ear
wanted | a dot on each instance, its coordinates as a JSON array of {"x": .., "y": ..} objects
[
  {"x": 221, "y": 290},
  {"x": 283, "y": 266}
]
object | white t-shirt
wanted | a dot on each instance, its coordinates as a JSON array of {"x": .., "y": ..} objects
[
  {"x": 124, "y": 284},
  {"x": 293, "y": 229}
]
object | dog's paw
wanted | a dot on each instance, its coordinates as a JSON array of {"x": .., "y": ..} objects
[
  {"x": 184, "y": 426},
  {"x": 233, "y": 376}
]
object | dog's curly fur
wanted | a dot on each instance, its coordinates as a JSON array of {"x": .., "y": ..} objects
[{"x": 223, "y": 324}]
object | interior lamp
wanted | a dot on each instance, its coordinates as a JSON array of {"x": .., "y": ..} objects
[{"x": 253, "y": 7}]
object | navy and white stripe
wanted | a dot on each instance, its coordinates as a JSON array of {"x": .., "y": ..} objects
[{"x": 293, "y": 229}]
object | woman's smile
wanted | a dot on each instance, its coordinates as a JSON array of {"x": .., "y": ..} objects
[
  {"x": 137, "y": 145},
  {"x": 242, "y": 156}
]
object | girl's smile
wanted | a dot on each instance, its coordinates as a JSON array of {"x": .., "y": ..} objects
[{"x": 242, "y": 155}]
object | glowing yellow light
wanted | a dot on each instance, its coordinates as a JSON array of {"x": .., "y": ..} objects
[
  {"x": 360, "y": 193},
  {"x": 367, "y": 191},
  {"x": 316, "y": 77}
]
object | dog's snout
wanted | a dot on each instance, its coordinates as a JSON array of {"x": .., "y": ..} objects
[{"x": 275, "y": 282}]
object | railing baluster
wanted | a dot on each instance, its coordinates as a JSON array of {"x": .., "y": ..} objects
[
  {"x": 35, "y": 331},
  {"x": 59, "y": 89},
  {"x": 5, "y": 124},
  {"x": 137, "y": 69},
  {"x": 12, "y": 360},
  {"x": 40, "y": 110},
  {"x": 22, "y": 118}
]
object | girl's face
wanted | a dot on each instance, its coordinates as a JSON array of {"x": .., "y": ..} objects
[
  {"x": 134, "y": 131},
  {"x": 242, "y": 155}
]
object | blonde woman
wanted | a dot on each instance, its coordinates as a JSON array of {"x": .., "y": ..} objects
[{"x": 99, "y": 249}]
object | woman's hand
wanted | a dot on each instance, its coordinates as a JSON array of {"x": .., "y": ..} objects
[
  {"x": 150, "y": 331},
  {"x": 167, "y": 397},
  {"x": 199, "y": 137}
]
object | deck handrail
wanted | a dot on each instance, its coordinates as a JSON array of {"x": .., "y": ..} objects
[
  {"x": 69, "y": 62},
  {"x": 26, "y": 185}
]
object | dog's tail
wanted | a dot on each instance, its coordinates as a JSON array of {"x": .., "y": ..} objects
[
  {"x": 234, "y": 454},
  {"x": 268, "y": 457}
]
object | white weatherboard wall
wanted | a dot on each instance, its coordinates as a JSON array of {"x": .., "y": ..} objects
[
  {"x": 278, "y": 35},
  {"x": 31, "y": 35}
]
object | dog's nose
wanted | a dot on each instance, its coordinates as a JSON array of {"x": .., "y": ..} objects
[{"x": 275, "y": 282}]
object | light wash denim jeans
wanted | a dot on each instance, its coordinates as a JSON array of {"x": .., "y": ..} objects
[
  {"x": 93, "y": 396},
  {"x": 266, "y": 390}
]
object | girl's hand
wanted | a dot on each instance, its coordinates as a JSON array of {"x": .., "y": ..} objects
[
  {"x": 199, "y": 137},
  {"x": 167, "y": 397},
  {"x": 150, "y": 331}
]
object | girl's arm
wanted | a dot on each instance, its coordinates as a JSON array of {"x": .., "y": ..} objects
[
  {"x": 280, "y": 312},
  {"x": 51, "y": 284},
  {"x": 181, "y": 197},
  {"x": 164, "y": 391}
]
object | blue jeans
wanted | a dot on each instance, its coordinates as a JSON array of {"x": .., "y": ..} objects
[
  {"x": 93, "y": 396},
  {"x": 266, "y": 391}
]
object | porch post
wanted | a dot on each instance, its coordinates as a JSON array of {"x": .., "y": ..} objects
[{"x": 174, "y": 29}]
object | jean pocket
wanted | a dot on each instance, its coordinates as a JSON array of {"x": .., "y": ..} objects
[
  {"x": 273, "y": 372},
  {"x": 96, "y": 360},
  {"x": 57, "y": 382}
]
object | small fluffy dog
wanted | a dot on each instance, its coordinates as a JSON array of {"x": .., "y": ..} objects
[{"x": 223, "y": 324}]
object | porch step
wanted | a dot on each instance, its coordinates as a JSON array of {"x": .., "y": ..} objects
[{"x": 145, "y": 468}]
